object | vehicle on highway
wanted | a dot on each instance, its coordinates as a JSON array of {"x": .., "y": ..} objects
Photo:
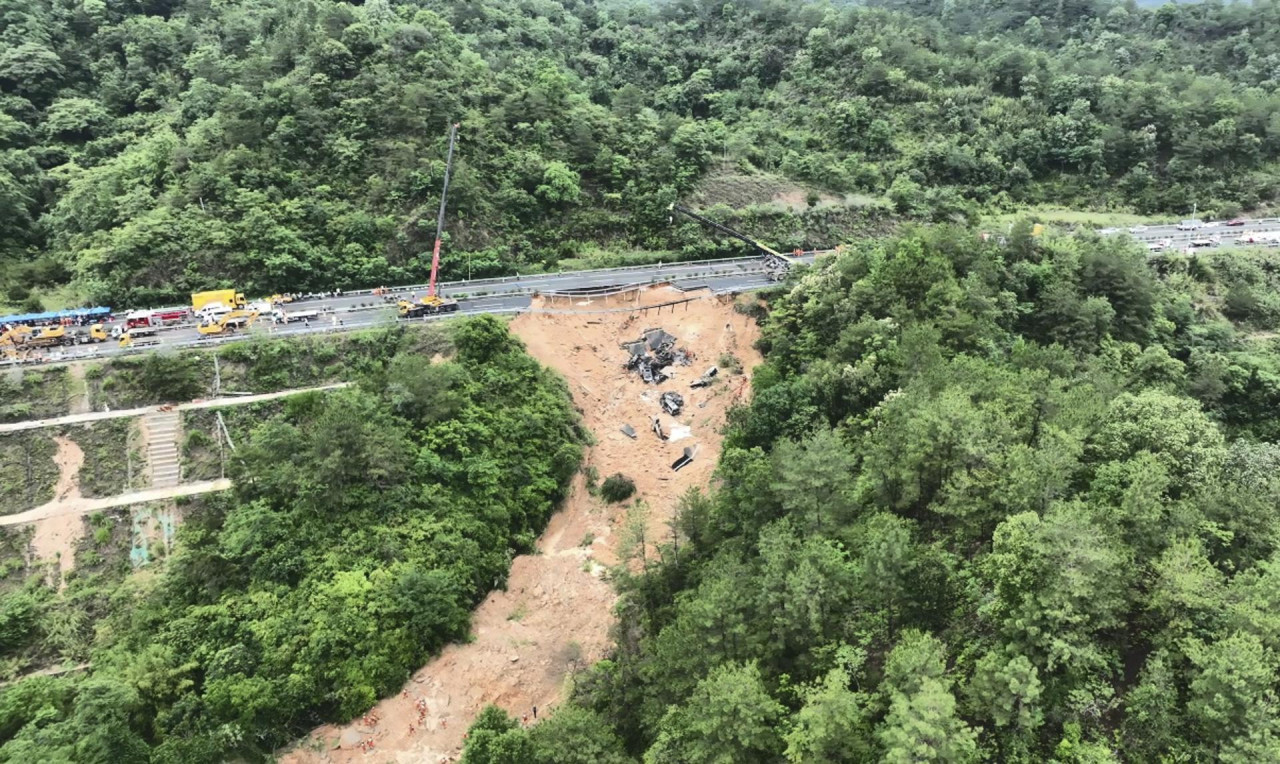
[
  {"x": 292, "y": 317},
  {"x": 159, "y": 317},
  {"x": 1237, "y": 221},
  {"x": 94, "y": 334},
  {"x": 1156, "y": 246},
  {"x": 49, "y": 336},
  {"x": 224, "y": 300},
  {"x": 1108, "y": 231},
  {"x": 1137, "y": 228},
  {"x": 139, "y": 335},
  {"x": 1211, "y": 224},
  {"x": 229, "y": 322},
  {"x": 1190, "y": 225},
  {"x": 1203, "y": 242}
]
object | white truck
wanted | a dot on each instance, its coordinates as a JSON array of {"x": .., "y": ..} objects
[{"x": 280, "y": 316}]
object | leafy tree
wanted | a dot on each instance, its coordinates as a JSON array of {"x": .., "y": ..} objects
[{"x": 729, "y": 718}]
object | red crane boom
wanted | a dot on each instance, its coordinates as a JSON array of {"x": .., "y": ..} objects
[{"x": 435, "y": 250}]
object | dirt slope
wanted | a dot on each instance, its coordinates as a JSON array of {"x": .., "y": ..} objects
[
  {"x": 555, "y": 616},
  {"x": 54, "y": 538}
]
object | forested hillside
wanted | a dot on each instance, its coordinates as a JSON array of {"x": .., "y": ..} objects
[
  {"x": 152, "y": 147},
  {"x": 364, "y": 526},
  {"x": 988, "y": 503}
]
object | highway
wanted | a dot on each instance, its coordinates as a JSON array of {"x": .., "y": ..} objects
[
  {"x": 512, "y": 294},
  {"x": 1171, "y": 237},
  {"x": 363, "y": 309}
]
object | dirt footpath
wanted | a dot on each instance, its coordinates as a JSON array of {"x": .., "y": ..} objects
[
  {"x": 54, "y": 538},
  {"x": 554, "y": 618}
]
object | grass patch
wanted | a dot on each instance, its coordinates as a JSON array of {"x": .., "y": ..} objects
[
  {"x": 1085, "y": 218},
  {"x": 262, "y": 364},
  {"x": 730, "y": 363},
  {"x": 27, "y": 470},
  {"x": 113, "y": 464},
  {"x": 202, "y": 457},
  {"x": 34, "y": 393},
  {"x": 150, "y": 379}
]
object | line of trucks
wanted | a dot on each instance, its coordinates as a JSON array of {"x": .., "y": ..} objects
[{"x": 216, "y": 312}]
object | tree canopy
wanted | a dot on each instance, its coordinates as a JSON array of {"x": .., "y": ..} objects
[
  {"x": 364, "y": 526},
  {"x": 989, "y": 502},
  {"x": 148, "y": 149}
]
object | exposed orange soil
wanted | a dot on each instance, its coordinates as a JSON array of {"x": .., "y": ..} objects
[
  {"x": 54, "y": 538},
  {"x": 555, "y": 615}
]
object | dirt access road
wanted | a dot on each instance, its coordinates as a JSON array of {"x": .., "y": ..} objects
[
  {"x": 212, "y": 403},
  {"x": 555, "y": 615}
]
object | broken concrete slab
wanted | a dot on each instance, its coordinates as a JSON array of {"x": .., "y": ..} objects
[
  {"x": 656, "y": 338},
  {"x": 629, "y": 431}
]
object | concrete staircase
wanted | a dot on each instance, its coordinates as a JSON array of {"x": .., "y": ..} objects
[{"x": 164, "y": 431}]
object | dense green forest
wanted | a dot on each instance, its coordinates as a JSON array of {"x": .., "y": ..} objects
[
  {"x": 152, "y": 147},
  {"x": 987, "y": 503},
  {"x": 364, "y": 526}
]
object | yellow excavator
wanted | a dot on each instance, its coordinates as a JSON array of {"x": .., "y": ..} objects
[
  {"x": 230, "y": 322},
  {"x": 48, "y": 336}
]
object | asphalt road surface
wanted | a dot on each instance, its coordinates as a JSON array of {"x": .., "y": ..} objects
[
  {"x": 355, "y": 310},
  {"x": 1170, "y": 233}
]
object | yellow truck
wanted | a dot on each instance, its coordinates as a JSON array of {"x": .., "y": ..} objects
[
  {"x": 94, "y": 334},
  {"x": 222, "y": 300}
]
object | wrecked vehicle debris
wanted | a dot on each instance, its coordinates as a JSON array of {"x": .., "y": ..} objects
[
  {"x": 653, "y": 355},
  {"x": 706, "y": 378},
  {"x": 629, "y": 431},
  {"x": 671, "y": 403}
]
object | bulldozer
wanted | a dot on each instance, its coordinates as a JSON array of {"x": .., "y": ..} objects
[{"x": 229, "y": 322}]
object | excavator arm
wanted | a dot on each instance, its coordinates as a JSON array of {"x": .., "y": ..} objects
[{"x": 724, "y": 229}]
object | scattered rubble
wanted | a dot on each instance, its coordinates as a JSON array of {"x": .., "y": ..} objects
[{"x": 654, "y": 354}]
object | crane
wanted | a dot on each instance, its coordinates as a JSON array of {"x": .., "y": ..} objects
[
  {"x": 432, "y": 302},
  {"x": 775, "y": 262}
]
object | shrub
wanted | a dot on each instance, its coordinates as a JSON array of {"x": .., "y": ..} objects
[{"x": 617, "y": 487}]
